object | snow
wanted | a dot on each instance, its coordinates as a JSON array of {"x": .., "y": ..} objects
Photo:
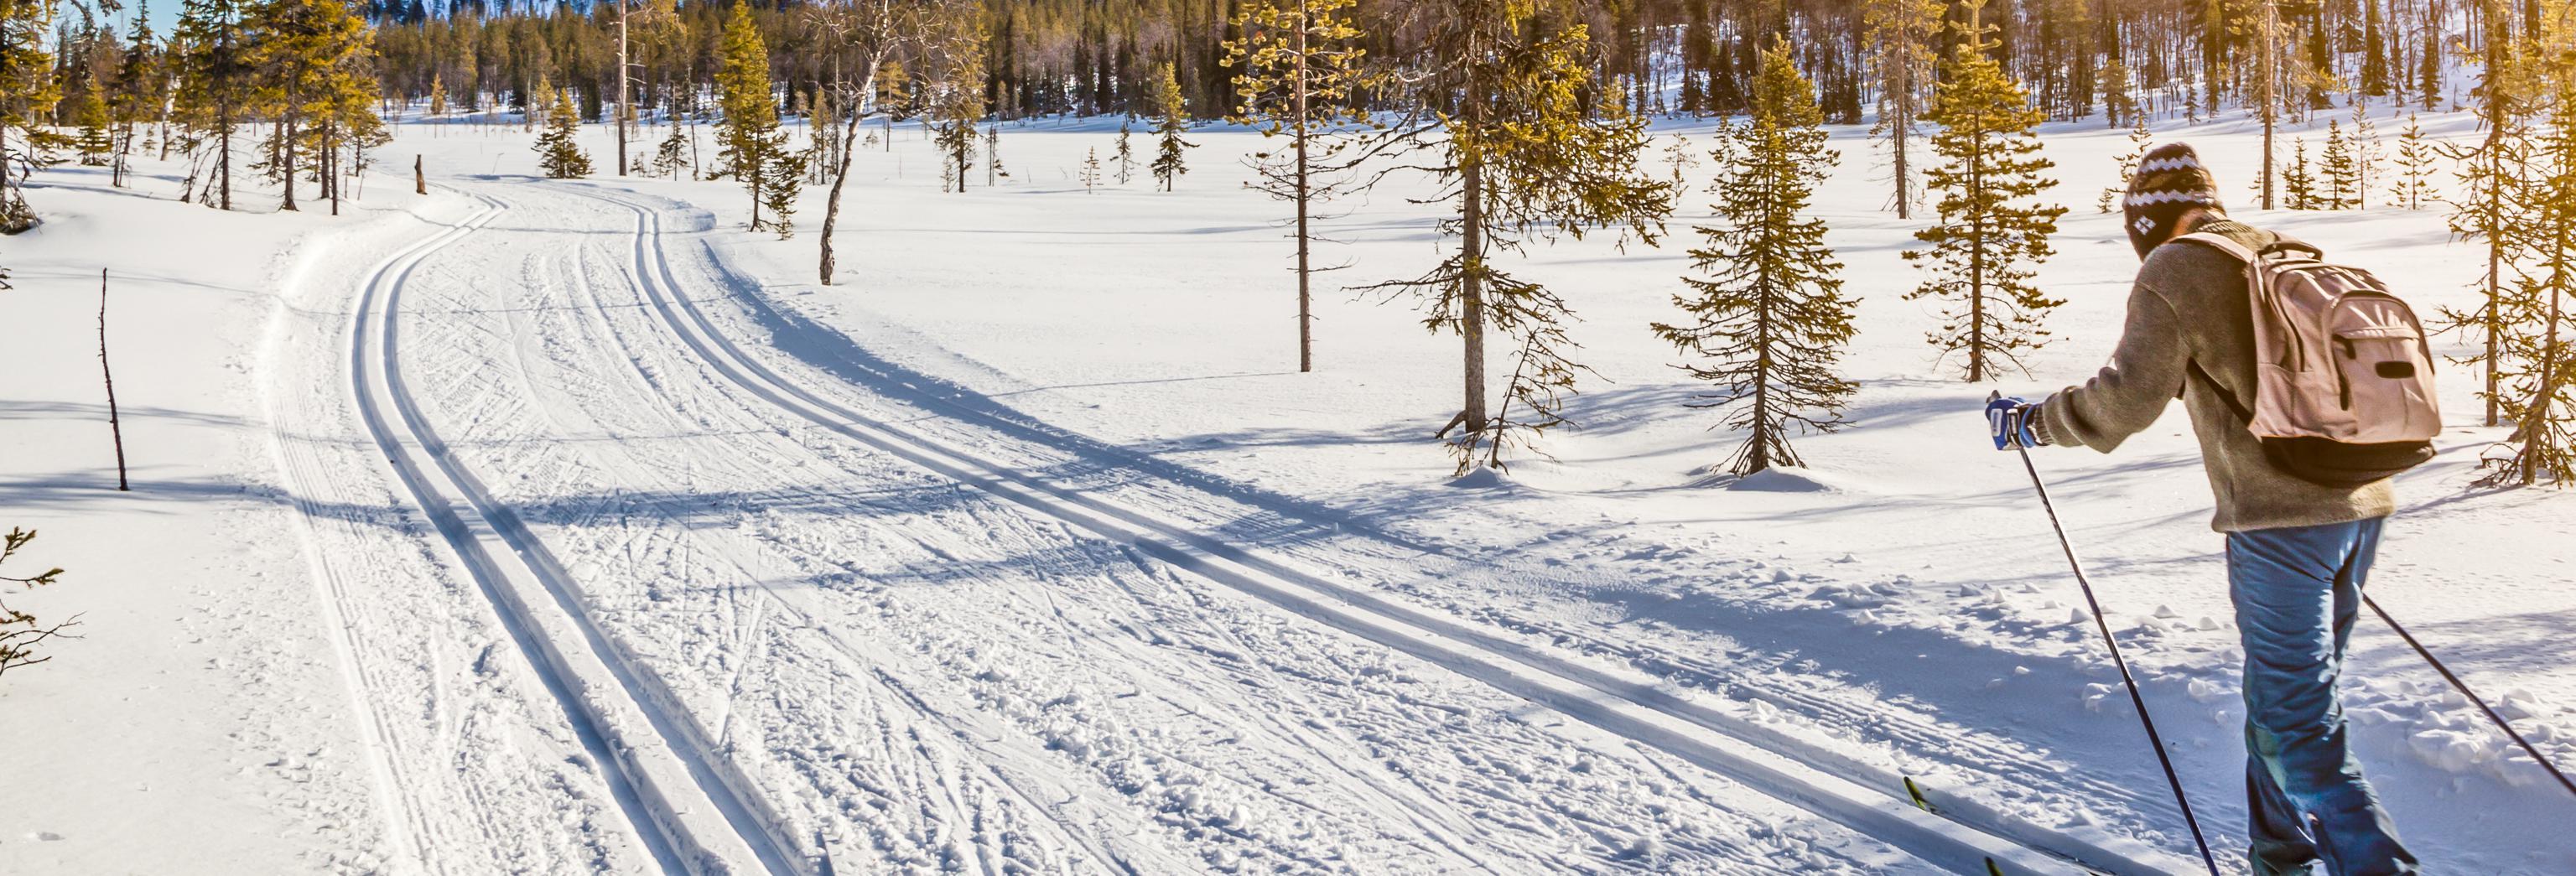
[{"x": 1023, "y": 547}]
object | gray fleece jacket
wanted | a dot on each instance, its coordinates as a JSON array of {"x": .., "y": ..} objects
[{"x": 2190, "y": 305}]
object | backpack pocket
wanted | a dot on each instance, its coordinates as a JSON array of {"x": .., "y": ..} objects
[{"x": 2383, "y": 372}]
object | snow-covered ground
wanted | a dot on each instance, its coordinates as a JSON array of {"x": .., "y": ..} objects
[{"x": 566, "y": 526}]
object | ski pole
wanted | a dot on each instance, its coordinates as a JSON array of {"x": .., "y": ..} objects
[
  {"x": 2153, "y": 739},
  {"x": 2464, "y": 690}
]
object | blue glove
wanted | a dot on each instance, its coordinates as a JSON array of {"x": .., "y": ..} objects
[{"x": 2008, "y": 421}]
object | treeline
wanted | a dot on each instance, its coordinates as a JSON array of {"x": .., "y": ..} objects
[{"x": 2079, "y": 58}]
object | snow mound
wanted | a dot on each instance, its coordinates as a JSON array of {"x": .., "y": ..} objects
[
  {"x": 1785, "y": 479},
  {"x": 1483, "y": 478}
]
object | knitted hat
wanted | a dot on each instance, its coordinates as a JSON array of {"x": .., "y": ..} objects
[{"x": 2169, "y": 182}]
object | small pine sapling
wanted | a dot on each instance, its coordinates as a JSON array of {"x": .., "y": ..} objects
[
  {"x": 1091, "y": 170},
  {"x": 20, "y": 632},
  {"x": 1172, "y": 121},
  {"x": 1126, "y": 154},
  {"x": 2340, "y": 172},
  {"x": 2139, "y": 139},
  {"x": 558, "y": 151},
  {"x": 2413, "y": 186},
  {"x": 2299, "y": 179}
]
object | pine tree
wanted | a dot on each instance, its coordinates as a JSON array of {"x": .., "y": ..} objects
[
  {"x": 1769, "y": 322},
  {"x": 993, "y": 172},
  {"x": 214, "y": 76},
  {"x": 2494, "y": 195},
  {"x": 1904, "y": 32},
  {"x": 1091, "y": 170},
  {"x": 2374, "y": 61},
  {"x": 142, "y": 89},
  {"x": 1126, "y": 155},
  {"x": 958, "y": 102},
  {"x": 749, "y": 132},
  {"x": 672, "y": 154},
  {"x": 2339, "y": 171},
  {"x": 28, "y": 92},
  {"x": 2415, "y": 156},
  {"x": 1299, "y": 66},
  {"x": 304, "y": 51},
  {"x": 1679, "y": 156},
  {"x": 2118, "y": 100},
  {"x": 2139, "y": 140},
  {"x": 94, "y": 143},
  {"x": 2537, "y": 317},
  {"x": 2299, "y": 179},
  {"x": 558, "y": 152},
  {"x": 2428, "y": 75},
  {"x": 438, "y": 97},
  {"x": 1171, "y": 121},
  {"x": 20, "y": 632},
  {"x": 2367, "y": 155},
  {"x": 1514, "y": 157},
  {"x": 1991, "y": 231}
]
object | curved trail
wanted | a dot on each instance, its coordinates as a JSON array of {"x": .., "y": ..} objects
[
  {"x": 792, "y": 639},
  {"x": 1626, "y": 707},
  {"x": 796, "y": 637},
  {"x": 663, "y": 782}
]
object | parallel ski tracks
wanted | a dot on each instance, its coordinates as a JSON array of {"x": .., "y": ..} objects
[
  {"x": 1627, "y": 708},
  {"x": 692, "y": 811}
]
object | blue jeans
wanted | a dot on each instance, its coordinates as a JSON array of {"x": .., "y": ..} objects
[{"x": 2297, "y": 590}]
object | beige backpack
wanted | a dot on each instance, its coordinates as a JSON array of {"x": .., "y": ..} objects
[{"x": 2343, "y": 374}]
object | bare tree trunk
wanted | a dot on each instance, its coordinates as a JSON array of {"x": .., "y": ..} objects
[
  {"x": 419, "y": 178},
  {"x": 623, "y": 92},
  {"x": 840, "y": 179},
  {"x": 115, "y": 430},
  {"x": 1471, "y": 294},
  {"x": 1305, "y": 190}
]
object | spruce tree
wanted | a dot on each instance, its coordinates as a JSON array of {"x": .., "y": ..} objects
[
  {"x": 1992, "y": 231},
  {"x": 214, "y": 76},
  {"x": 1768, "y": 322},
  {"x": 993, "y": 172},
  {"x": 558, "y": 151},
  {"x": 28, "y": 92},
  {"x": 672, "y": 154},
  {"x": 438, "y": 97},
  {"x": 2413, "y": 187},
  {"x": 2537, "y": 316},
  {"x": 20, "y": 632},
  {"x": 1091, "y": 170},
  {"x": 2374, "y": 60},
  {"x": 1172, "y": 119},
  {"x": 958, "y": 102},
  {"x": 1516, "y": 156},
  {"x": 2139, "y": 140},
  {"x": 2367, "y": 155},
  {"x": 1126, "y": 154},
  {"x": 2118, "y": 101},
  {"x": 95, "y": 144},
  {"x": 2339, "y": 171},
  {"x": 752, "y": 141},
  {"x": 142, "y": 90},
  {"x": 1904, "y": 33},
  {"x": 2299, "y": 180},
  {"x": 1300, "y": 65},
  {"x": 2494, "y": 194},
  {"x": 303, "y": 52}
]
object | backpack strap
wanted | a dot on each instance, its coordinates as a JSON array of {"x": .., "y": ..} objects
[
  {"x": 2248, "y": 255},
  {"x": 2223, "y": 243},
  {"x": 2233, "y": 404}
]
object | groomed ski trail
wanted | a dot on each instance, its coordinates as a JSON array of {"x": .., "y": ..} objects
[
  {"x": 670, "y": 790},
  {"x": 1967, "y": 841},
  {"x": 968, "y": 735}
]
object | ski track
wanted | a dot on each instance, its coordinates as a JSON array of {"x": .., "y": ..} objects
[
  {"x": 798, "y": 611},
  {"x": 1487, "y": 658},
  {"x": 760, "y": 645}
]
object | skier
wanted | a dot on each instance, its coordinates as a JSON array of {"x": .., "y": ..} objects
[{"x": 2297, "y": 551}]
